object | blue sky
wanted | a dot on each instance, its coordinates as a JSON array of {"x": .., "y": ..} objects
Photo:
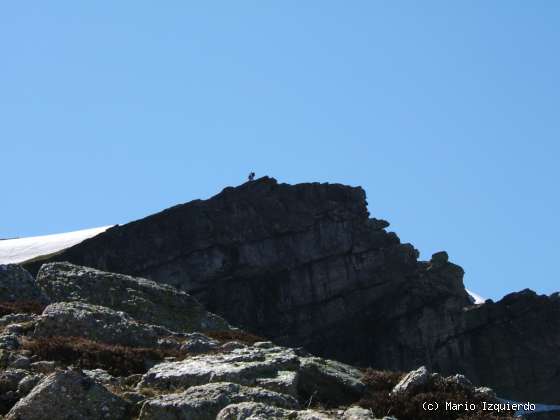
[{"x": 445, "y": 112}]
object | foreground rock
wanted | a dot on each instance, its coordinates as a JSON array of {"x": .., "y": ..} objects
[
  {"x": 142, "y": 299},
  {"x": 243, "y": 366},
  {"x": 68, "y": 395},
  {"x": 215, "y": 380},
  {"x": 204, "y": 402},
  {"x": 14, "y": 384},
  {"x": 357, "y": 413},
  {"x": 16, "y": 284},
  {"x": 98, "y": 323},
  {"x": 305, "y": 265},
  {"x": 413, "y": 380},
  {"x": 329, "y": 381},
  {"x": 250, "y": 410},
  {"x": 310, "y": 379}
]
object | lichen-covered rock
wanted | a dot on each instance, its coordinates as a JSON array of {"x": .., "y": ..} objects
[
  {"x": 9, "y": 388},
  {"x": 313, "y": 415},
  {"x": 10, "y": 379},
  {"x": 19, "y": 362},
  {"x": 250, "y": 410},
  {"x": 412, "y": 381},
  {"x": 329, "y": 381},
  {"x": 28, "y": 383},
  {"x": 460, "y": 381},
  {"x": 198, "y": 343},
  {"x": 259, "y": 411},
  {"x": 357, "y": 413},
  {"x": 484, "y": 392},
  {"x": 8, "y": 340},
  {"x": 101, "y": 376},
  {"x": 284, "y": 382},
  {"x": 16, "y": 284},
  {"x": 68, "y": 395},
  {"x": 242, "y": 366},
  {"x": 78, "y": 319},
  {"x": 144, "y": 300},
  {"x": 204, "y": 402},
  {"x": 16, "y": 319}
]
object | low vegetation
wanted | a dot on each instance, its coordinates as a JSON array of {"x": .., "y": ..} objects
[
  {"x": 87, "y": 354},
  {"x": 381, "y": 380},
  {"x": 224, "y": 336},
  {"x": 21, "y": 307}
]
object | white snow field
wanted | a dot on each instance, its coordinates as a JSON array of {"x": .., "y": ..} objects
[{"x": 23, "y": 249}]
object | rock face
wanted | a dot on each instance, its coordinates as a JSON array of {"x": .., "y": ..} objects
[
  {"x": 142, "y": 299},
  {"x": 512, "y": 345},
  {"x": 305, "y": 265}
]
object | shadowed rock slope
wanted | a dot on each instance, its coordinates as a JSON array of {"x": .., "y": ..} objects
[{"x": 306, "y": 265}]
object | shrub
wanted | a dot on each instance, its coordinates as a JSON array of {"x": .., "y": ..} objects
[
  {"x": 381, "y": 380},
  {"x": 87, "y": 354}
]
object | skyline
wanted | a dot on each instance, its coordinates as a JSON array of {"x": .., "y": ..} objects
[{"x": 446, "y": 115}]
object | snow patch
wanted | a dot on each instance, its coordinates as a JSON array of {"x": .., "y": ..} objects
[
  {"x": 23, "y": 249},
  {"x": 477, "y": 299}
]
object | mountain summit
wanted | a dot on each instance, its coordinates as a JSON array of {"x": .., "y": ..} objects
[{"x": 307, "y": 265}]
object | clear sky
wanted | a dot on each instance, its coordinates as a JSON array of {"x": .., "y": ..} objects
[{"x": 445, "y": 112}]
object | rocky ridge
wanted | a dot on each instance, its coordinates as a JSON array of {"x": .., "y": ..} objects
[
  {"x": 77, "y": 359},
  {"x": 306, "y": 265}
]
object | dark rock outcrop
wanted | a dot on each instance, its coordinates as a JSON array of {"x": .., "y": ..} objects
[
  {"x": 306, "y": 265},
  {"x": 512, "y": 345},
  {"x": 16, "y": 284},
  {"x": 328, "y": 380},
  {"x": 142, "y": 299},
  {"x": 78, "y": 319}
]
